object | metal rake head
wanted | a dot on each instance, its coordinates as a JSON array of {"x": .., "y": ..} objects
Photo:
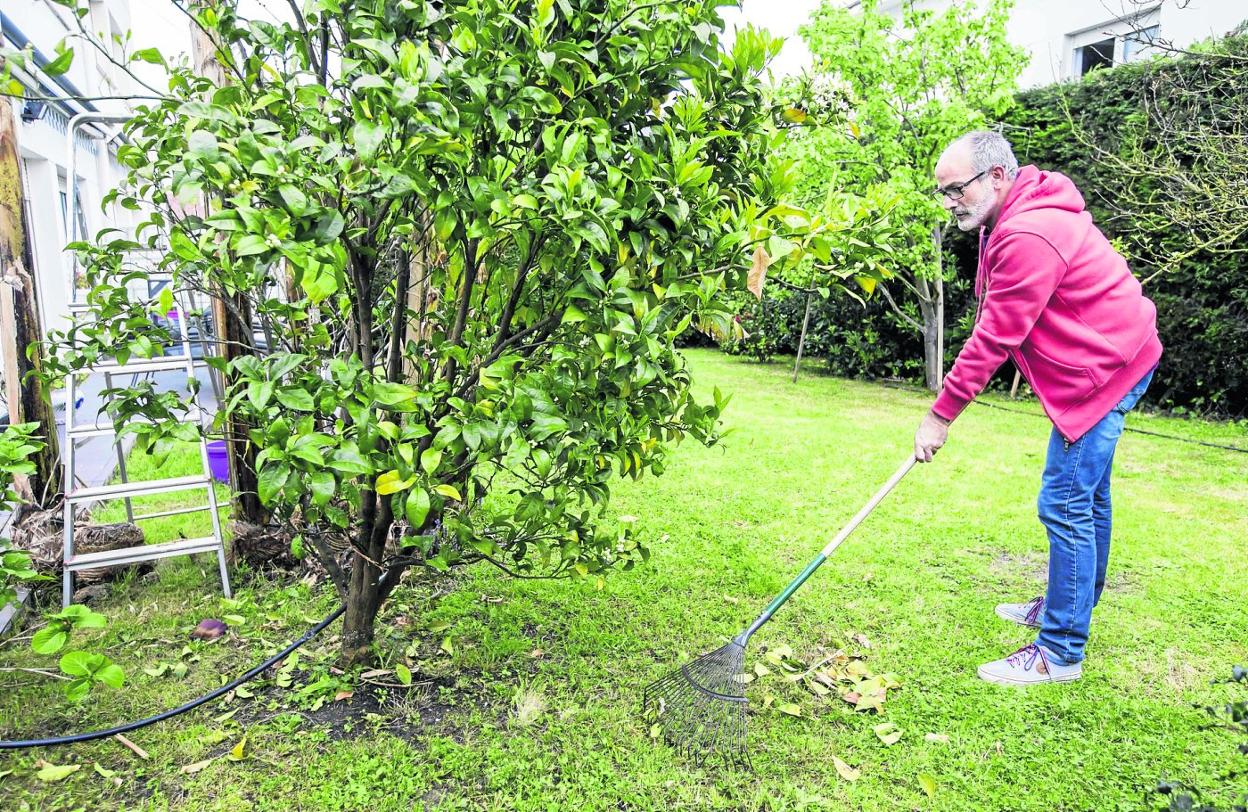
[{"x": 700, "y": 707}]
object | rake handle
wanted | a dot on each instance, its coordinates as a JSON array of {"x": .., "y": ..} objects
[{"x": 797, "y": 582}]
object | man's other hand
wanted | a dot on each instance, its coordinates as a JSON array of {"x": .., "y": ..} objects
[{"x": 932, "y": 433}]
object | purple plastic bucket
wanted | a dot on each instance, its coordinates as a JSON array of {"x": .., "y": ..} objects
[{"x": 218, "y": 462}]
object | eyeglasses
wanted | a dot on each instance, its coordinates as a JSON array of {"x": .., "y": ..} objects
[{"x": 954, "y": 191}]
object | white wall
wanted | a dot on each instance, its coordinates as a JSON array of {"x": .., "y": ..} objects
[{"x": 44, "y": 147}]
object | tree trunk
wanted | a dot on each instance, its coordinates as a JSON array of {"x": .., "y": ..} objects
[
  {"x": 22, "y": 327},
  {"x": 801, "y": 341},
  {"x": 233, "y": 338},
  {"x": 938, "y": 237},
  {"x": 363, "y": 602},
  {"x": 932, "y": 306}
]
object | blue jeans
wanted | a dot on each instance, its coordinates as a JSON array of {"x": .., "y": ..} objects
[{"x": 1075, "y": 510}]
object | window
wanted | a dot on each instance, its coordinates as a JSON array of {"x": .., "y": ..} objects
[
  {"x": 1137, "y": 43},
  {"x": 1094, "y": 55},
  {"x": 1112, "y": 43}
]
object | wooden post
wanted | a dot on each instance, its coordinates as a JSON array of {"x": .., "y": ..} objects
[
  {"x": 1018, "y": 376},
  {"x": 20, "y": 323},
  {"x": 801, "y": 341}
]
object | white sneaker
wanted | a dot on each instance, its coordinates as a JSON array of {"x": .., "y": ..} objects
[
  {"x": 1024, "y": 614},
  {"x": 1030, "y": 665}
]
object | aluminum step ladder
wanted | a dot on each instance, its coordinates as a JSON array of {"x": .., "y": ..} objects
[{"x": 76, "y": 496}]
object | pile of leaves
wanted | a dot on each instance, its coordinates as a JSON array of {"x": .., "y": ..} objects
[{"x": 827, "y": 676}]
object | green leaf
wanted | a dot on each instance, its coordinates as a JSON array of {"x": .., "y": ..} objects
[
  {"x": 463, "y": 39},
  {"x": 259, "y": 393},
  {"x": 323, "y": 485},
  {"x": 349, "y": 461},
  {"x": 270, "y": 481},
  {"x": 49, "y": 639},
  {"x": 449, "y": 491},
  {"x": 444, "y": 223},
  {"x": 203, "y": 145},
  {"x": 430, "y": 459},
  {"x": 111, "y": 675},
  {"x": 573, "y": 314},
  {"x": 78, "y": 663},
  {"x": 247, "y": 245},
  {"x": 61, "y": 64},
  {"x": 367, "y": 137},
  {"x": 297, "y": 399},
  {"x": 391, "y": 482},
  {"x": 928, "y": 783},
  {"x": 182, "y": 246},
  {"x": 149, "y": 55},
  {"x": 295, "y": 200},
  {"x": 403, "y": 673},
  {"x": 393, "y": 394},
  {"x": 417, "y": 508}
]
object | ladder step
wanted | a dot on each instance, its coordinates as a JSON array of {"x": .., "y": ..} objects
[
  {"x": 146, "y": 552},
  {"x": 152, "y": 486},
  {"x": 92, "y": 430},
  {"x": 141, "y": 367}
]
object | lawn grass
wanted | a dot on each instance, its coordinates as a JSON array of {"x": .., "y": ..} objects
[{"x": 527, "y": 692}]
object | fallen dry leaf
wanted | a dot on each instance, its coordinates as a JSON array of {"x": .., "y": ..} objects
[
  {"x": 844, "y": 770},
  {"x": 758, "y": 272},
  {"x": 942, "y": 738},
  {"x": 888, "y": 732},
  {"x": 341, "y": 695},
  {"x": 197, "y": 766}
]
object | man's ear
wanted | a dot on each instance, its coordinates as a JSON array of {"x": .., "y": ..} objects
[{"x": 998, "y": 174}]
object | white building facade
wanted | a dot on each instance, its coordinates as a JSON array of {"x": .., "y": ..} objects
[
  {"x": 1067, "y": 38},
  {"x": 42, "y": 135}
]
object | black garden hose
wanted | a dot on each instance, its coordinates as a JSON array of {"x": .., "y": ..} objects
[{"x": 194, "y": 703}]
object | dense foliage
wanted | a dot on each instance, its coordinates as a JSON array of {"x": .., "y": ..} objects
[
  {"x": 475, "y": 231},
  {"x": 1160, "y": 151}
]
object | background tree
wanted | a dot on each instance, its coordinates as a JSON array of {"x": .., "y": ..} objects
[
  {"x": 495, "y": 219},
  {"x": 917, "y": 83}
]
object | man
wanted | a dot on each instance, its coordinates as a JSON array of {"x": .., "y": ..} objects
[{"x": 1053, "y": 296}]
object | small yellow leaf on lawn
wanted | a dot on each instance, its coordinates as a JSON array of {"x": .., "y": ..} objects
[
  {"x": 239, "y": 751},
  {"x": 929, "y": 784},
  {"x": 888, "y": 732},
  {"x": 791, "y": 708},
  {"x": 844, "y": 770},
  {"x": 55, "y": 772},
  {"x": 197, "y": 766},
  {"x": 941, "y": 738}
]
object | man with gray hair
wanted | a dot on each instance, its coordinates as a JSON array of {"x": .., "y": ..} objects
[{"x": 1055, "y": 297}]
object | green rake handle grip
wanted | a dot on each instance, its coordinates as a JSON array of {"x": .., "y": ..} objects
[{"x": 797, "y": 582}]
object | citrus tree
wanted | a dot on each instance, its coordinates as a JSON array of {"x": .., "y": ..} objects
[{"x": 473, "y": 230}]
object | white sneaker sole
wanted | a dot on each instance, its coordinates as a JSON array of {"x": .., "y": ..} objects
[
  {"x": 1001, "y": 613},
  {"x": 1000, "y": 680}
]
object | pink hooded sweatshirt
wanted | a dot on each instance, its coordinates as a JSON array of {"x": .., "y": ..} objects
[{"x": 1054, "y": 296}]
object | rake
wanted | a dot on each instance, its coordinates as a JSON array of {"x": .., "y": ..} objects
[{"x": 700, "y": 707}]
